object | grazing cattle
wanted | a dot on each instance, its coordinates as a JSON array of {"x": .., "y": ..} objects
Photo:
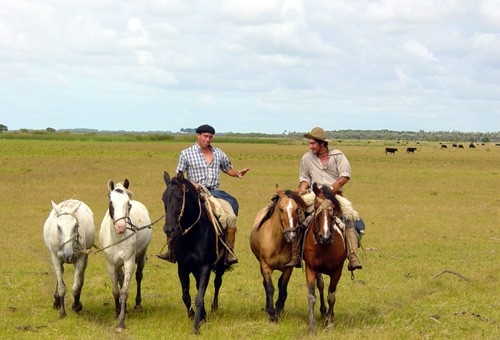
[
  {"x": 410, "y": 150},
  {"x": 390, "y": 150},
  {"x": 472, "y": 146},
  {"x": 444, "y": 147},
  {"x": 454, "y": 145},
  {"x": 460, "y": 146}
]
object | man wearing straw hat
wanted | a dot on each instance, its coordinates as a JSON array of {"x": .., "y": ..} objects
[{"x": 327, "y": 167}]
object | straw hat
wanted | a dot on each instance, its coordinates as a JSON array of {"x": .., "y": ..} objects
[{"x": 316, "y": 133}]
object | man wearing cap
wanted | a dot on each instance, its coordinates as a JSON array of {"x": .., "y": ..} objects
[
  {"x": 326, "y": 167},
  {"x": 201, "y": 163}
]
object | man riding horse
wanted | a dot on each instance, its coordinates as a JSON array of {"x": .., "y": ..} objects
[
  {"x": 202, "y": 163},
  {"x": 326, "y": 167}
]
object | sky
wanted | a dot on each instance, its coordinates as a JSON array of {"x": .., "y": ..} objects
[{"x": 263, "y": 66}]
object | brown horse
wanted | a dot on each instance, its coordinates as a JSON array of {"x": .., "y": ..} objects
[
  {"x": 324, "y": 252},
  {"x": 274, "y": 229}
]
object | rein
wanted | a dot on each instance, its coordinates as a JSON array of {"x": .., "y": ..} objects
[{"x": 184, "y": 190}]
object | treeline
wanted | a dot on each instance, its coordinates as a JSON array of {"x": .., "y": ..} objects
[
  {"x": 432, "y": 136},
  {"x": 187, "y": 134}
]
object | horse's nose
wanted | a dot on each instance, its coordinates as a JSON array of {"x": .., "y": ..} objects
[
  {"x": 290, "y": 236},
  {"x": 325, "y": 238},
  {"x": 120, "y": 226},
  {"x": 68, "y": 257},
  {"x": 169, "y": 230}
]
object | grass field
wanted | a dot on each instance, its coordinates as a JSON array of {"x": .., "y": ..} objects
[{"x": 431, "y": 260}]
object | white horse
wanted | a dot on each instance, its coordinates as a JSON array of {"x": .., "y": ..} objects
[
  {"x": 125, "y": 235},
  {"x": 69, "y": 232}
]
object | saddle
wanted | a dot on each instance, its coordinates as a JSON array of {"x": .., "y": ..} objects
[{"x": 217, "y": 217}]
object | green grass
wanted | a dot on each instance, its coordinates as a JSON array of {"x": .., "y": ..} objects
[{"x": 425, "y": 213}]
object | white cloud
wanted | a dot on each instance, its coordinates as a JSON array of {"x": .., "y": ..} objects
[
  {"x": 419, "y": 50},
  {"x": 253, "y": 59}
]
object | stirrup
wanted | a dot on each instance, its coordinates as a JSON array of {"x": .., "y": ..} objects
[
  {"x": 353, "y": 268},
  {"x": 295, "y": 264},
  {"x": 166, "y": 256},
  {"x": 230, "y": 260}
]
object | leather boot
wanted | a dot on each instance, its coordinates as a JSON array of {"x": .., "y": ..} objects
[
  {"x": 230, "y": 238},
  {"x": 352, "y": 245},
  {"x": 170, "y": 254},
  {"x": 296, "y": 261}
]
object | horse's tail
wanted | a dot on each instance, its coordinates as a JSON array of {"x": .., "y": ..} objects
[{"x": 347, "y": 209}]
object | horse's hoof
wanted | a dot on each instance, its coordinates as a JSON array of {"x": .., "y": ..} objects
[
  {"x": 138, "y": 308},
  {"x": 119, "y": 329},
  {"x": 77, "y": 307}
]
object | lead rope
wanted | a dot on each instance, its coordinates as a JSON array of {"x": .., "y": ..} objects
[{"x": 133, "y": 228}]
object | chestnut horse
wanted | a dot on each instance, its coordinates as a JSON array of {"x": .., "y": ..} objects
[
  {"x": 324, "y": 252},
  {"x": 274, "y": 229}
]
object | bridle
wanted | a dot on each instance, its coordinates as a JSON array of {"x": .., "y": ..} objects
[
  {"x": 325, "y": 204},
  {"x": 74, "y": 237},
  {"x": 287, "y": 230}
]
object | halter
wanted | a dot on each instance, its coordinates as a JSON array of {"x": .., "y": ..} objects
[
  {"x": 288, "y": 230},
  {"x": 323, "y": 205},
  {"x": 76, "y": 236}
]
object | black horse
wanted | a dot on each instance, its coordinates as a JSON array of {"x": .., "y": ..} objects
[{"x": 198, "y": 247}]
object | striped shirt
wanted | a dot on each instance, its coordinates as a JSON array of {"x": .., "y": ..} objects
[{"x": 193, "y": 163}]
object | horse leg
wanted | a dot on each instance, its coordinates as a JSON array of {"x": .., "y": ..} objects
[
  {"x": 267, "y": 282},
  {"x": 201, "y": 284},
  {"x": 282, "y": 290},
  {"x": 321, "y": 290},
  {"x": 60, "y": 286},
  {"x": 80, "y": 266},
  {"x": 217, "y": 284},
  {"x": 123, "y": 294},
  {"x": 141, "y": 261},
  {"x": 113, "y": 274},
  {"x": 186, "y": 297},
  {"x": 334, "y": 279},
  {"x": 311, "y": 279}
]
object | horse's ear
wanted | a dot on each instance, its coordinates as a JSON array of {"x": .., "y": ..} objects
[
  {"x": 126, "y": 183},
  {"x": 278, "y": 190},
  {"x": 166, "y": 177},
  {"x": 111, "y": 185},
  {"x": 180, "y": 176},
  {"x": 76, "y": 207},
  {"x": 55, "y": 207}
]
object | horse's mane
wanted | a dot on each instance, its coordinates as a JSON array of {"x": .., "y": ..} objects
[
  {"x": 297, "y": 198},
  {"x": 69, "y": 203},
  {"x": 274, "y": 202},
  {"x": 330, "y": 195},
  {"x": 183, "y": 181},
  {"x": 121, "y": 187},
  {"x": 341, "y": 204}
]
